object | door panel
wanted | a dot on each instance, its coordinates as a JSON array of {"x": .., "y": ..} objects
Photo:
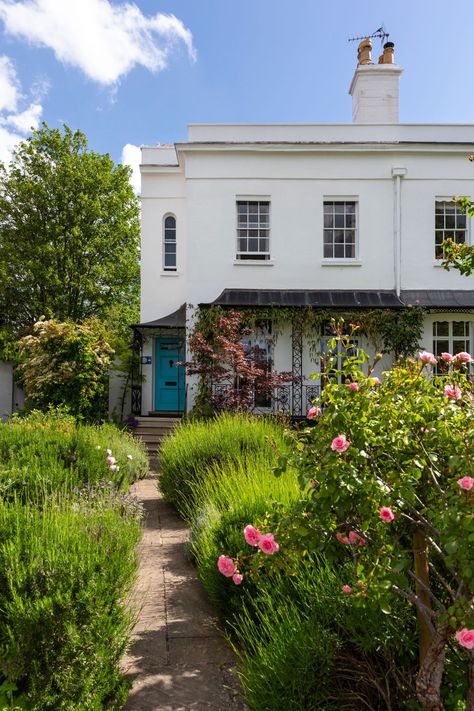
[{"x": 169, "y": 378}]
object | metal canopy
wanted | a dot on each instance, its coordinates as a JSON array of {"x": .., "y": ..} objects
[
  {"x": 321, "y": 299},
  {"x": 440, "y": 299},
  {"x": 177, "y": 319}
]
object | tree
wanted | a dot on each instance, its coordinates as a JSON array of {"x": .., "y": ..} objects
[
  {"x": 66, "y": 364},
  {"x": 460, "y": 256},
  {"x": 69, "y": 233}
]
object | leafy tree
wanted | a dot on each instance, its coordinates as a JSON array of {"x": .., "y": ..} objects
[
  {"x": 69, "y": 233},
  {"x": 65, "y": 364}
]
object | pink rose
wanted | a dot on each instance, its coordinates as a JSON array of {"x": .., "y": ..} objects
[
  {"x": 252, "y": 535},
  {"x": 360, "y": 584},
  {"x": 110, "y": 460},
  {"x": 343, "y": 539},
  {"x": 226, "y": 566},
  {"x": 467, "y": 482},
  {"x": 354, "y": 387},
  {"x": 463, "y": 357},
  {"x": 267, "y": 544},
  {"x": 313, "y": 412},
  {"x": 386, "y": 514},
  {"x": 113, "y": 468},
  {"x": 340, "y": 444},
  {"x": 452, "y": 391},
  {"x": 237, "y": 578},
  {"x": 465, "y": 638},
  {"x": 355, "y": 538},
  {"x": 346, "y": 589},
  {"x": 376, "y": 381},
  {"x": 447, "y": 357},
  {"x": 427, "y": 357}
]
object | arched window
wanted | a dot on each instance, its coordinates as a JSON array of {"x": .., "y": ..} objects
[{"x": 169, "y": 244}]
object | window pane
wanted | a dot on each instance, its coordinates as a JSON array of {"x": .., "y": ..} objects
[
  {"x": 339, "y": 221},
  {"x": 242, "y": 208},
  {"x": 253, "y": 208},
  {"x": 461, "y": 221},
  {"x": 440, "y": 347},
  {"x": 350, "y": 220},
  {"x": 263, "y": 245},
  {"x": 339, "y": 208},
  {"x": 460, "y": 328},
  {"x": 459, "y": 346},
  {"x": 328, "y": 208},
  {"x": 328, "y": 221},
  {"x": 170, "y": 235},
  {"x": 450, "y": 222},
  {"x": 242, "y": 245},
  {"x": 350, "y": 208},
  {"x": 339, "y": 251},
  {"x": 439, "y": 222},
  {"x": 441, "y": 328},
  {"x": 170, "y": 260},
  {"x": 170, "y": 222},
  {"x": 253, "y": 245},
  {"x": 350, "y": 251},
  {"x": 170, "y": 248},
  {"x": 328, "y": 251},
  {"x": 328, "y": 236},
  {"x": 459, "y": 237}
]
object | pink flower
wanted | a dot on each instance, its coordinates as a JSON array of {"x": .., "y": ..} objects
[
  {"x": 313, "y": 483},
  {"x": 463, "y": 357},
  {"x": 108, "y": 452},
  {"x": 465, "y": 638},
  {"x": 355, "y": 538},
  {"x": 340, "y": 444},
  {"x": 376, "y": 381},
  {"x": 354, "y": 387},
  {"x": 113, "y": 468},
  {"x": 386, "y": 514},
  {"x": 452, "y": 391},
  {"x": 360, "y": 584},
  {"x": 237, "y": 578},
  {"x": 346, "y": 589},
  {"x": 447, "y": 357},
  {"x": 343, "y": 539},
  {"x": 252, "y": 535},
  {"x": 110, "y": 460},
  {"x": 427, "y": 357},
  {"x": 226, "y": 566},
  {"x": 313, "y": 412},
  {"x": 267, "y": 544},
  {"x": 467, "y": 482}
]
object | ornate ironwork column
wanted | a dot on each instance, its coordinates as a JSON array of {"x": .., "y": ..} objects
[
  {"x": 136, "y": 369},
  {"x": 297, "y": 368}
]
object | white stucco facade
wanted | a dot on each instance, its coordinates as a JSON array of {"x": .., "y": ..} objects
[{"x": 393, "y": 173}]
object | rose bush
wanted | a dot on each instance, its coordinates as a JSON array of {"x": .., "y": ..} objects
[{"x": 391, "y": 463}]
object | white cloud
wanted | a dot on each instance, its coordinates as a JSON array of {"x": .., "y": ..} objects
[
  {"x": 131, "y": 155},
  {"x": 104, "y": 40},
  {"x": 16, "y": 123},
  {"x": 9, "y": 86}
]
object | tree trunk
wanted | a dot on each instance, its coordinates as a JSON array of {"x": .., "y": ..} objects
[
  {"x": 428, "y": 683},
  {"x": 421, "y": 570},
  {"x": 470, "y": 682}
]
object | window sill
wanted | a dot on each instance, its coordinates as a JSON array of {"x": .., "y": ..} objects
[
  {"x": 438, "y": 263},
  {"x": 253, "y": 262},
  {"x": 169, "y": 274},
  {"x": 341, "y": 263}
]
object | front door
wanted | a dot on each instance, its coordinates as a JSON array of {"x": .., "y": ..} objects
[{"x": 169, "y": 378}]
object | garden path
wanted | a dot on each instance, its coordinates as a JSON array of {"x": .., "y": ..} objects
[{"x": 179, "y": 660}]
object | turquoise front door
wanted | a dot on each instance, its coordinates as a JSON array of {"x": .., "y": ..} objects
[{"x": 169, "y": 377}]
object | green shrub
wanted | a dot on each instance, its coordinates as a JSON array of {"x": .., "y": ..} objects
[
  {"x": 303, "y": 646},
  {"x": 64, "y": 573},
  {"x": 42, "y": 453},
  {"x": 186, "y": 456}
]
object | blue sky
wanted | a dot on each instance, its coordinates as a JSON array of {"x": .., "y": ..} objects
[{"x": 129, "y": 74}]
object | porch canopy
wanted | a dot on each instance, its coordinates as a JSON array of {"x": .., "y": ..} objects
[
  {"x": 346, "y": 299},
  {"x": 177, "y": 319}
]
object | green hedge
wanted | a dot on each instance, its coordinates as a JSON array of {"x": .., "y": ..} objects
[
  {"x": 68, "y": 532},
  {"x": 186, "y": 456}
]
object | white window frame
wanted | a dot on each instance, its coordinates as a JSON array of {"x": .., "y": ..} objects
[
  {"x": 344, "y": 199},
  {"x": 466, "y": 230},
  {"x": 165, "y": 242},
  {"x": 450, "y": 338},
  {"x": 258, "y": 256}
]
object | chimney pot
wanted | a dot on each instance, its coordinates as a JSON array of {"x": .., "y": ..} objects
[{"x": 364, "y": 49}]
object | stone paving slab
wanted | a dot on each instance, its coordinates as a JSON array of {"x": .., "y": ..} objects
[{"x": 179, "y": 659}]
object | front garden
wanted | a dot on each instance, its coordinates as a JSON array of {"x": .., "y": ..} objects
[
  {"x": 339, "y": 554},
  {"x": 68, "y": 531}
]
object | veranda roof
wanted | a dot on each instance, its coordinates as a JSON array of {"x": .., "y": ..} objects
[{"x": 177, "y": 319}]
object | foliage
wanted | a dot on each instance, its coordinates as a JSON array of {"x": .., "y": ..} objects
[
  {"x": 303, "y": 648},
  {"x": 43, "y": 453},
  {"x": 383, "y": 473},
  {"x": 69, "y": 226},
  {"x": 64, "y": 573},
  {"x": 460, "y": 256},
  {"x": 231, "y": 379},
  {"x": 195, "y": 446},
  {"x": 391, "y": 331},
  {"x": 66, "y": 364}
]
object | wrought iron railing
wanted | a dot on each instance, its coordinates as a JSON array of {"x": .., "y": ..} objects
[{"x": 282, "y": 400}]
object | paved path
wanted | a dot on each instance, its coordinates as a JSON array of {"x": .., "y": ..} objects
[{"x": 179, "y": 660}]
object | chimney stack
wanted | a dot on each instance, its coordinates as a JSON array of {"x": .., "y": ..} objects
[{"x": 375, "y": 87}]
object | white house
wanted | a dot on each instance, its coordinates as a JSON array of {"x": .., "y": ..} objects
[{"x": 338, "y": 217}]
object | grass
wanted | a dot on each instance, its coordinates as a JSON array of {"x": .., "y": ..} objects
[{"x": 197, "y": 447}]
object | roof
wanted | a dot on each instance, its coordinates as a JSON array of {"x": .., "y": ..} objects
[
  {"x": 177, "y": 319},
  {"x": 347, "y": 299}
]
